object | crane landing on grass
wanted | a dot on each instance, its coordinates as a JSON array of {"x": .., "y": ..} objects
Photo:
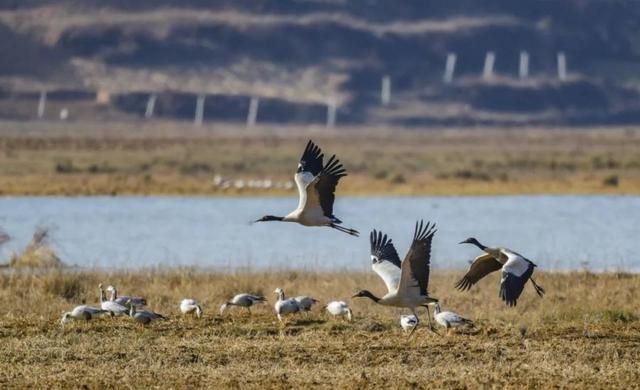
[
  {"x": 516, "y": 271},
  {"x": 316, "y": 187},
  {"x": 407, "y": 282}
]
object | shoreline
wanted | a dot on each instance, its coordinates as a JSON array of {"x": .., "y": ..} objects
[{"x": 114, "y": 185}]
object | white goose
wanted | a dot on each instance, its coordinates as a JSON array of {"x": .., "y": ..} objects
[
  {"x": 285, "y": 306},
  {"x": 409, "y": 323},
  {"x": 243, "y": 300},
  {"x": 305, "y": 302},
  {"x": 144, "y": 317},
  {"x": 339, "y": 308},
  {"x": 111, "y": 306},
  {"x": 449, "y": 319},
  {"x": 407, "y": 282},
  {"x": 516, "y": 271},
  {"x": 82, "y": 312},
  {"x": 190, "y": 306},
  {"x": 125, "y": 300},
  {"x": 316, "y": 187}
]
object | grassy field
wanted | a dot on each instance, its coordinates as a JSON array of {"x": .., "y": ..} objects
[
  {"x": 585, "y": 333},
  {"x": 177, "y": 159}
]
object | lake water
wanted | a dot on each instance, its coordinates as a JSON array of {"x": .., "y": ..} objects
[{"x": 556, "y": 232}]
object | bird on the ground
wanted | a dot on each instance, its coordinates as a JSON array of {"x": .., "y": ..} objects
[
  {"x": 111, "y": 306},
  {"x": 339, "y": 308},
  {"x": 243, "y": 300},
  {"x": 191, "y": 306},
  {"x": 407, "y": 281},
  {"x": 284, "y": 306},
  {"x": 305, "y": 302},
  {"x": 143, "y": 317},
  {"x": 516, "y": 271},
  {"x": 82, "y": 312},
  {"x": 449, "y": 319},
  {"x": 316, "y": 184},
  {"x": 409, "y": 322},
  {"x": 125, "y": 300}
]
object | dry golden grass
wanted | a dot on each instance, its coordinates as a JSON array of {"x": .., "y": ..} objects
[
  {"x": 584, "y": 334},
  {"x": 37, "y": 254},
  {"x": 176, "y": 159}
]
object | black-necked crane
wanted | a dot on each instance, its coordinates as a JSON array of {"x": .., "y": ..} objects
[
  {"x": 516, "y": 271},
  {"x": 407, "y": 281},
  {"x": 316, "y": 184},
  {"x": 243, "y": 300},
  {"x": 449, "y": 319}
]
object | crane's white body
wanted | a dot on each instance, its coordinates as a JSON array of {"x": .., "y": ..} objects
[
  {"x": 339, "y": 308},
  {"x": 309, "y": 211},
  {"x": 516, "y": 264},
  {"x": 190, "y": 306},
  {"x": 402, "y": 291}
]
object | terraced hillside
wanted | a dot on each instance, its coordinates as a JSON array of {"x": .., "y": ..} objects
[{"x": 297, "y": 55}]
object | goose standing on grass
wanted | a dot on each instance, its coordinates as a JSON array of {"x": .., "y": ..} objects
[
  {"x": 190, "y": 306},
  {"x": 516, "y": 271},
  {"x": 305, "y": 302},
  {"x": 450, "y": 319},
  {"x": 285, "y": 306},
  {"x": 115, "y": 308},
  {"x": 406, "y": 281},
  {"x": 339, "y": 308},
  {"x": 243, "y": 300},
  {"x": 409, "y": 323},
  {"x": 143, "y": 317},
  {"x": 316, "y": 187},
  {"x": 125, "y": 300},
  {"x": 82, "y": 312}
]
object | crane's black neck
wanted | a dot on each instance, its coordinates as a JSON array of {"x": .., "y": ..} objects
[
  {"x": 368, "y": 294},
  {"x": 268, "y": 218},
  {"x": 478, "y": 244}
]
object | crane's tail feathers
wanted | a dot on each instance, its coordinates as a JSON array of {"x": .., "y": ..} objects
[
  {"x": 352, "y": 232},
  {"x": 538, "y": 288}
]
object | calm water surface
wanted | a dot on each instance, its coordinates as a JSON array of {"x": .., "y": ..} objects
[{"x": 557, "y": 232}]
